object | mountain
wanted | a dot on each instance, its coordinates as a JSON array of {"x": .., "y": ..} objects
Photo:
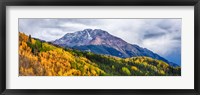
[
  {"x": 101, "y": 42},
  {"x": 40, "y": 58}
]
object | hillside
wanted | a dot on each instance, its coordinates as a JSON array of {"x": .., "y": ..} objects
[{"x": 39, "y": 58}]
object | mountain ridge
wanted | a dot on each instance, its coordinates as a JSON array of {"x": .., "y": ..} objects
[{"x": 100, "y": 42}]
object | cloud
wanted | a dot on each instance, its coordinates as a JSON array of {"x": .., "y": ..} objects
[
  {"x": 153, "y": 35},
  {"x": 162, "y": 36}
]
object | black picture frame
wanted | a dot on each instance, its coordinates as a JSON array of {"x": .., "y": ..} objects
[{"x": 4, "y": 3}]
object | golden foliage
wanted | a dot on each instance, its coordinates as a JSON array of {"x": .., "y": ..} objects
[
  {"x": 134, "y": 68},
  {"x": 52, "y": 61},
  {"x": 38, "y": 58}
]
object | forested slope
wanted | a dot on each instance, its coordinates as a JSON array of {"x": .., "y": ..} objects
[{"x": 39, "y": 58}]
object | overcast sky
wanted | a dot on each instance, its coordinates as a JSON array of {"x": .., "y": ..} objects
[{"x": 162, "y": 36}]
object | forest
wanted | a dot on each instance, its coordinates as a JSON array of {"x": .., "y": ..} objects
[{"x": 40, "y": 58}]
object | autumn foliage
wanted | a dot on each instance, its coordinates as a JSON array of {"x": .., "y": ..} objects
[{"x": 38, "y": 58}]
